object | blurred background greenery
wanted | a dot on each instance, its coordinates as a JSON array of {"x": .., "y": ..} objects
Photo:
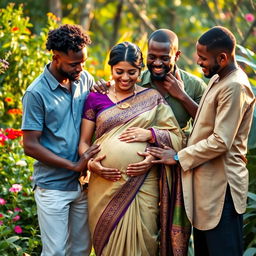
[{"x": 23, "y": 30}]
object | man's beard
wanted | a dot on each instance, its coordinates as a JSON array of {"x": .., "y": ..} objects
[
  {"x": 213, "y": 71},
  {"x": 159, "y": 77},
  {"x": 71, "y": 76}
]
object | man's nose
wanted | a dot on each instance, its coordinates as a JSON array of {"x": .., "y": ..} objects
[
  {"x": 198, "y": 61},
  {"x": 79, "y": 67},
  {"x": 158, "y": 61}
]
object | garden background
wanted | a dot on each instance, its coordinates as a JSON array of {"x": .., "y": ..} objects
[{"x": 23, "y": 32}]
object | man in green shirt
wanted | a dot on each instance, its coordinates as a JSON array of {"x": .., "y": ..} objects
[{"x": 181, "y": 90}]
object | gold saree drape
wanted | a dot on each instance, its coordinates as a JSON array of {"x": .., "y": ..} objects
[{"x": 124, "y": 215}]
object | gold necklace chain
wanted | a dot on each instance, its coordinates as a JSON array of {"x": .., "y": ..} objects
[{"x": 125, "y": 105}]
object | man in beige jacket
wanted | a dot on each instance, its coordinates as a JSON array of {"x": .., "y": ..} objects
[{"x": 214, "y": 174}]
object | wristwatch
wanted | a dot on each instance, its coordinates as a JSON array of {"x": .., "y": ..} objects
[{"x": 176, "y": 157}]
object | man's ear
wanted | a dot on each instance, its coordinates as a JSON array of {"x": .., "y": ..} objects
[
  {"x": 177, "y": 55},
  {"x": 55, "y": 56},
  {"x": 222, "y": 58}
]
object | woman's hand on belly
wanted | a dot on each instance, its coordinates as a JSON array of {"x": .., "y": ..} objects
[
  {"x": 136, "y": 134},
  {"x": 141, "y": 167},
  {"x": 94, "y": 165}
]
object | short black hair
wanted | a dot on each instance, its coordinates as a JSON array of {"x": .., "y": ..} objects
[
  {"x": 67, "y": 37},
  {"x": 165, "y": 36},
  {"x": 218, "y": 38},
  {"x": 126, "y": 51}
]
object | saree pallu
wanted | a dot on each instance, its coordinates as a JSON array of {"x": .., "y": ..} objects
[{"x": 124, "y": 215}]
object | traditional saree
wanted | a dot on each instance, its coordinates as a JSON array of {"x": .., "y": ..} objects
[{"x": 124, "y": 215}]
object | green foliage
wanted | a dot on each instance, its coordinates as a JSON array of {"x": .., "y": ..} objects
[
  {"x": 26, "y": 56},
  {"x": 19, "y": 231},
  {"x": 250, "y": 226},
  {"x": 247, "y": 59}
]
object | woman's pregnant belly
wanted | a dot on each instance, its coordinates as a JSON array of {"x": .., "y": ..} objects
[{"x": 120, "y": 154}]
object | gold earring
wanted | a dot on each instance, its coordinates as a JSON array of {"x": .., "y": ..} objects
[{"x": 138, "y": 80}]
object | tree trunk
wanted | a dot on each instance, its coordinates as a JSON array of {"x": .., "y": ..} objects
[
  {"x": 136, "y": 10},
  {"x": 87, "y": 13},
  {"x": 55, "y": 7},
  {"x": 116, "y": 22}
]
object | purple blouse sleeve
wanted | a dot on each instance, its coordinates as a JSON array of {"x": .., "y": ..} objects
[{"x": 89, "y": 111}]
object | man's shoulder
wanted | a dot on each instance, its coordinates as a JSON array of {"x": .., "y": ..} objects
[
  {"x": 192, "y": 84},
  {"x": 145, "y": 78},
  {"x": 38, "y": 85},
  {"x": 86, "y": 79},
  {"x": 190, "y": 77},
  {"x": 86, "y": 75}
]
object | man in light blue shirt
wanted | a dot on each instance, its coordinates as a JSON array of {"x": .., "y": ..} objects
[{"x": 52, "y": 110}]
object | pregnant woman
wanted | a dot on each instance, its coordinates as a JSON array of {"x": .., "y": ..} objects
[{"x": 123, "y": 204}]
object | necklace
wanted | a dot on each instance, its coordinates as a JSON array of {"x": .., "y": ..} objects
[{"x": 125, "y": 105}]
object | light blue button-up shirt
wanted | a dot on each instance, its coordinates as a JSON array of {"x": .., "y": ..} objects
[{"x": 52, "y": 109}]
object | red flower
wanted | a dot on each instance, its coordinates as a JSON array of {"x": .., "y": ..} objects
[
  {"x": 15, "y": 29},
  {"x": 13, "y": 133},
  {"x": 14, "y": 111},
  {"x": 8, "y": 99}
]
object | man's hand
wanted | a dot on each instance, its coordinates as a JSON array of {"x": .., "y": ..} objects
[
  {"x": 95, "y": 166},
  {"x": 101, "y": 86},
  {"x": 135, "y": 134},
  {"x": 81, "y": 165},
  {"x": 174, "y": 85},
  {"x": 142, "y": 167},
  {"x": 164, "y": 155}
]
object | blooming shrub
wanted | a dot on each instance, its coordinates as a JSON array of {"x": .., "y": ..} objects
[
  {"x": 19, "y": 232},
  {"x": 22, "y": 58}
]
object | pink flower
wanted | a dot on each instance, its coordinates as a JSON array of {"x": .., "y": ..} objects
[
  {"x": 2, "y": 201},
  {"x": 18, "y": 229},
  {"x": 1, "y": 215},
  {"x": 15, "y": 188},
  {"x": 16, "y": 218},
  {"x": 17, "y": 209},
  {"x": 10, "y": 212},
  {"x": 249, "y": 17},
  {"x": 1, "y": 222},
  {"x": 3, "y": 138}
]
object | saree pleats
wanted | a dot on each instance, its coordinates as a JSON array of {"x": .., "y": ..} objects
[{"x": 137, "y": 232}]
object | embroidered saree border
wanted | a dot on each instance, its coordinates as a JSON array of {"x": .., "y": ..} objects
[
  {"x": 144, "y": 101},
  {"x": 162, "y": 137},
  {"x": 114, "y": 211},
  {"x": 175, "y": 226}
]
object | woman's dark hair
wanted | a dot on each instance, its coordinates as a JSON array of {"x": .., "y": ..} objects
[
  {"x": 126, "y": 51},
  {"x": 218, "y": 38},
  {"x": 67, "y": 37}
]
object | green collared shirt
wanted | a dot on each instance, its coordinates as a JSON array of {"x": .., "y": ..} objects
[{"x": 193, "y": 86}]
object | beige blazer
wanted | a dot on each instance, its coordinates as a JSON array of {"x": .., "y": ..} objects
[{"x": 216, "y": 150}]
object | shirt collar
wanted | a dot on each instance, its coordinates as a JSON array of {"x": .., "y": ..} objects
[{"x": 52, "y": 81}]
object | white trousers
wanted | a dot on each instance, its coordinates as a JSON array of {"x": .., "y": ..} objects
[{"x": 63, "y": 221}]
